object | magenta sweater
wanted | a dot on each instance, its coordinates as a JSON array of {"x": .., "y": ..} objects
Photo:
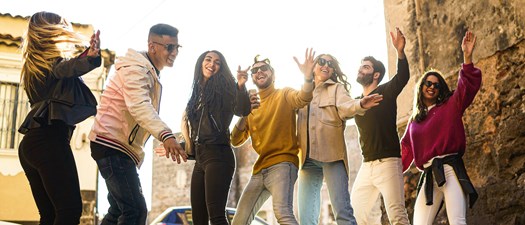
[{"x": 442, "y": 131}]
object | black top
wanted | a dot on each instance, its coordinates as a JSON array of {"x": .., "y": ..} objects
[
  {"x": 378, "y": 135},
  {"x": 62, "y": 96}
]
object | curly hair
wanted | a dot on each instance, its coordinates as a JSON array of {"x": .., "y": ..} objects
[
  {"x": 210, "y": 92},
  {"x": 420, "y": 109},
  {"x": 338, "y": 75},
  {"x": 48, "y": 38}
]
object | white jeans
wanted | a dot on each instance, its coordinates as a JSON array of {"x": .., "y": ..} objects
[
  {"x": 455, "y": 201},
  {"x": 382, "y": 176}
]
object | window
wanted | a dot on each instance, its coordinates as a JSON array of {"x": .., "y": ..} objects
[{"x": 14, "y": 106}]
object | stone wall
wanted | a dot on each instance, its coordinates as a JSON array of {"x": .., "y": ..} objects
[
  {"x": 170, "y": 184},
  {"x": 495, "y": 122}
]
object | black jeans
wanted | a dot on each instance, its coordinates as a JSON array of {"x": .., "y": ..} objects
[
  {"x": 47, "y": 160},
  {"x": 126, "y": 200},
  {"x": 210, "y": 184}
]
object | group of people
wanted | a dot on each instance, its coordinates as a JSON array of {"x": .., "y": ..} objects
[{"x": 298, "y": 134}]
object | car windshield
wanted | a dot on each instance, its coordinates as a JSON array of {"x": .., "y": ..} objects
[{"x": 183, "y": 216}]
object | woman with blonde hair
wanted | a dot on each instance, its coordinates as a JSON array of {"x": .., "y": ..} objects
[
  {"x": 59, "y": 99},
  {"x": 320, "y": 130}
]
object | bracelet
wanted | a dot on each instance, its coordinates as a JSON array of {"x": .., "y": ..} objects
[{"x": 309, "y": 80}]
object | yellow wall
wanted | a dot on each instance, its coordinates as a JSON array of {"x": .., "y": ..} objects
[{"x": 16, "y": 202}]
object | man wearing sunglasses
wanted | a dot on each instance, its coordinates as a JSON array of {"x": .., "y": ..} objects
[
  {"x": 381, "y": 170},
  {"x": 126, "y": 117},
  {"x": 272, "y": 128}
]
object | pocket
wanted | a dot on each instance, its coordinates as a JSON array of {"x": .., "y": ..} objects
[
  {"x": 215, "y": 123},
  {"x": 124, "y": 162},
  {"x": 328, "y": 113},
  {"x": 104, "y": 166}
]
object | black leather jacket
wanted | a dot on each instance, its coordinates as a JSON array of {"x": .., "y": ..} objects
[
  {"x": 215, "y": 125},
  {"x": 63, "y": 96}
]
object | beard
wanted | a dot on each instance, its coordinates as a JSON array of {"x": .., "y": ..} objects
[
  {"x": 366, "y": 79},
  {"x": 264, "y": 85}
]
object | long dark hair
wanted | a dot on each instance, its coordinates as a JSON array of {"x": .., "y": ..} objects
[
  {"x": 211, "y": 91},
  {"x": 420, "y": 109},
  {"x": 338, "y": 75}
]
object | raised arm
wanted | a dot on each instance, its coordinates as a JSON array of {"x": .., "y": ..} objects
[
  {"x": 469, "y": 80},
  {"x": 299, "y": 99},
  {"x": 467, "y": 46},
  {"x": 399, "y": 81},
  {"x": 85, "y": 62},
  {"x": 398, "y": 41},
  {"x": 242, "y": 99}
]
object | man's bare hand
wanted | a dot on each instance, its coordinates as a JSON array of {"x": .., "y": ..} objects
[
  {"x": 370, "y": 101},
  {"x": 174, "y": 150}
]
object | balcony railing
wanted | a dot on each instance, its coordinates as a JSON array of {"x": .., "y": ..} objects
[{"x": 14, "y": 106}]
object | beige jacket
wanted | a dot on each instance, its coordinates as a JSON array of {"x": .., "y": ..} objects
[
  {"x": 128, "y": 112},
  {"x": 331, "y": 106}
]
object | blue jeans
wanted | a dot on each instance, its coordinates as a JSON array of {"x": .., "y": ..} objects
[
  {"x": 310, "y": 183},
  {"x": 276, "y": 181},
  {"x": 127, "y": 203}
]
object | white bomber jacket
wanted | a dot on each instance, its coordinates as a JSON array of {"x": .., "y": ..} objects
[{"x": 128, "y": 112}]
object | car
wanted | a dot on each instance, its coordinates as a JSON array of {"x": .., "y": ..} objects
[
  {"x": 8, "y": 223},
  {"x": 181, "y": 215}
]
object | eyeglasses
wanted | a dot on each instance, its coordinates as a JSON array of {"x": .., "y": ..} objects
[
  {"x": 169, "y": 47},
  {"x": 430, "y": 83},
  {"x": 262, "y": 68}
]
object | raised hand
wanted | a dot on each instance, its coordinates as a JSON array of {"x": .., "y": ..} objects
[
  {"x": 308, "y": 65},
  {"x": 370, "y": 101},
  {"x": 94, "y": 45},
  {"x": 242, "y": 76},
  {"x": 398, "y": 41},
  {"x": 467, "y": 46},
  {"x": 173, "y": 149}
]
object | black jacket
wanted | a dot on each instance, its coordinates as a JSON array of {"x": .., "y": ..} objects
[
  {"x": 63, "y": 95},
  {"x": 215, "y": 125}
]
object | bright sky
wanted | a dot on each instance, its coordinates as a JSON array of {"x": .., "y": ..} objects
[{"x": 239, "y": 29}]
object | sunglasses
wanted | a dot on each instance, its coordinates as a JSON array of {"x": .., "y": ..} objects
[
  {"x": 430, "y": 83},
  {"x": 169, "y": 47},
  {"x": 262, "y": 68},
  {"x": 322, "y": 62}
]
